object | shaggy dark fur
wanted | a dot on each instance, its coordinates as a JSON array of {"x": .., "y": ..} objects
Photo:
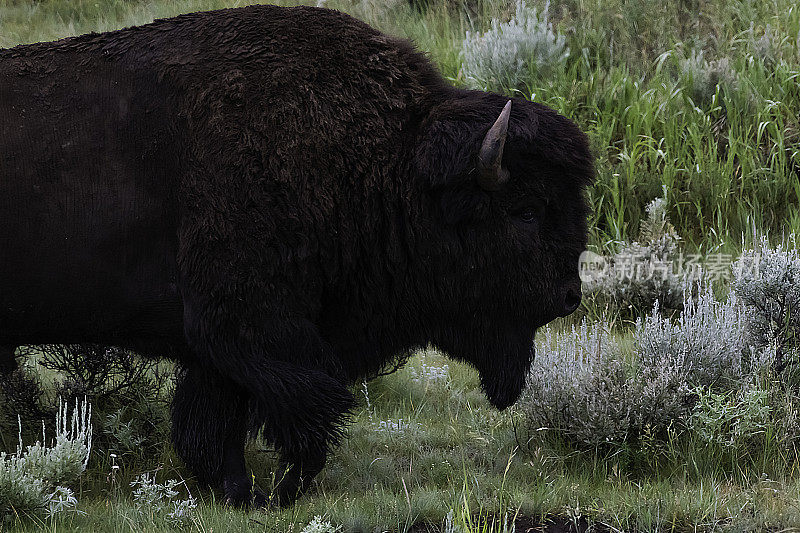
[
  {"x": 286, "y": 200},
  {"x": 8, "y": 362}
]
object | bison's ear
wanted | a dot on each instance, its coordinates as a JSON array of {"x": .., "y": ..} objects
[
  {"x": 491, "y": 174},
  {"x": 453, "y": 148},
  {"x": 444, "y": 151}
]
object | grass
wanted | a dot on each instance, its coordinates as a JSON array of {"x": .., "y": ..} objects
[
  {"x": 457, "y": 453},
  {"x": 728, "y": 155}
]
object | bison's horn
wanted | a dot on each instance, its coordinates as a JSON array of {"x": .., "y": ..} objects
[{"x": 491, "y": 174}]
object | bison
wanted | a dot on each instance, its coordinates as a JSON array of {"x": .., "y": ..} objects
[{"x": 283, "y": 200}]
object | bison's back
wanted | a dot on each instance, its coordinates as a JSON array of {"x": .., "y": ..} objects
[
  {"x": 88, "y": 180},
  {"x": 273, "y": 130}
]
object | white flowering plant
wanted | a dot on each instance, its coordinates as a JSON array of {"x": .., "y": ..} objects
[{"x": 319, "y": 525}]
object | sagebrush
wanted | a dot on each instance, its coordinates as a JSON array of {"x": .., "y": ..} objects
[{"x": 36, "y": 479}]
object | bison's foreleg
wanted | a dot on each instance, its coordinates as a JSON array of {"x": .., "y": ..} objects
[
  {"x": 209, "y": 429},
  {"x": 290, "y": 376},
  {"x": 302, "y": 411}
]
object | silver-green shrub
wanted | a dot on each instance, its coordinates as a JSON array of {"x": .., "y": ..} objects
[
  {"x": 721, "y": 344},
  {"x": 769, "y": 46},
  {"x": 701, "y": 77},
  {"x": 642, "y": 272},
  {"x": 507, "y": 54},
  {"x": 709, "y": 341},
  {"x": 582, "y": 388},
  {"x": 767, "y": 281},
  {"x": 709, "y": 369},
  {"x": 34, "y": 480}
]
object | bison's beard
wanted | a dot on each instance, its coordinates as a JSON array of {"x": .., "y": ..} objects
[
  {"x": 504, "y": 379},
  {"x": 502, "y": 356},
  {"x": 504, "y": 366}
]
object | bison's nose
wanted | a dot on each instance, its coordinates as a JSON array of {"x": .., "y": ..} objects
[{"x": 572, "y": 299}]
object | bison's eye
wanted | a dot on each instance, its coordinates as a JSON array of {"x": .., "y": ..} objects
[{"x": 530, "y": 214}]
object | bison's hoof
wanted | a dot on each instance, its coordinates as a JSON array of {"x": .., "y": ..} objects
[
  {"x": 260, "y": 499},
  {"x": 244, "y": 498}
]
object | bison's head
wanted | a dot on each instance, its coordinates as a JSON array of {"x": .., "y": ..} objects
[{"x": 506, "y": 222}]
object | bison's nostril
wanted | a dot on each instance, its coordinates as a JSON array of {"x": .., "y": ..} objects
[{"x": 571, "y": 301}]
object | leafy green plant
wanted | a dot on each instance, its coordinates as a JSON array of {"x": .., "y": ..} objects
[
  {"x": 733, "y": 419},
  {"x": 159, "y": 501}
]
